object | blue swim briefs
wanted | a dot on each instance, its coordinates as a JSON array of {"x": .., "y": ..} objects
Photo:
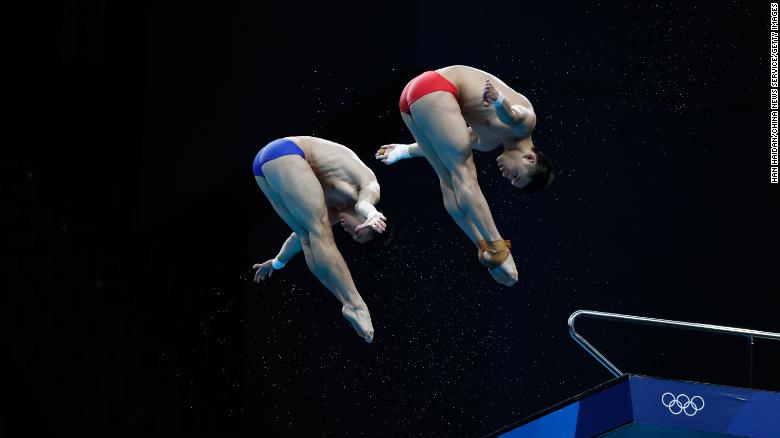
[{"x": 273, "y": 150}]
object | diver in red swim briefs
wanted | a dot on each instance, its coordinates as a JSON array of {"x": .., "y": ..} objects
[{"x": 453, "y": 110}]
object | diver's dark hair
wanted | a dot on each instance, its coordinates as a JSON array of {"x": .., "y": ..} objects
[{"x": 543, "y": 176}]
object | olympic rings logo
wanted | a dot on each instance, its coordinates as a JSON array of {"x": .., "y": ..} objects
[{"x": 677, "y": 404}]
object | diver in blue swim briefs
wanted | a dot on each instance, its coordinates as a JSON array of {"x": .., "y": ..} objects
[{"x": 313, "y": 184}]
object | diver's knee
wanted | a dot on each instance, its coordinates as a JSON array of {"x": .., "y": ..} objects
[
  {"x": 460, "y": 141},
  {"x": 322, "y": 242},
  {"x": 319, "y": 230}
]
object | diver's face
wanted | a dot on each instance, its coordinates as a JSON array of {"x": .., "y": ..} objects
[
  {"x": 350, "y": 221},
  {"x": 517, "y": 167}
]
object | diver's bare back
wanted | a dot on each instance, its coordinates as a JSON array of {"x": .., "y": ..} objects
[
  {"x": 339, "y": 170},
  {"x": 483, "y": 120}
]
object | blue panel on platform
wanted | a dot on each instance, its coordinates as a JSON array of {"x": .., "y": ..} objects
[
  {"x": 646, "y": 431},
  {"x": 760, "y": 416},
  {"x": 706, "y": 408},
  {"x": 561, "y": 423},
  {"x": 604, "y": 410},
  {"x": 639, "y": 406}
]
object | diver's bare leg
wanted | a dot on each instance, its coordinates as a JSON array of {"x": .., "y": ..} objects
[
  {"x": 438, "y": 116},
  {"x": 277, "y": 202},
  {"x": 293, "y": 182},
  {"x": 448, "y": 194}
]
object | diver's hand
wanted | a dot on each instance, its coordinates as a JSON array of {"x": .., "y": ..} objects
[
  {"x": 263, "y": 270},
  {"x": 376, "y": 221},
  {"x": 489, "y": 94},
  {"x": 392, "y": 153}
]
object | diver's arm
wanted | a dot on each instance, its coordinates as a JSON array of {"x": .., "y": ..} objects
[
  {"x": 290, "y": 247},
  {"x": 391, "y": 153},
  {"x": 508, "y": 113},
  {"x": 513, "y": 114},
  {"x": 368, "y": 196},
  {"x": 415, "y": 151}
]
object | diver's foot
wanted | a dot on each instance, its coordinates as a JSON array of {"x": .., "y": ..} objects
[
  {"x": 506, "y": 273},
  {"x": 360, "y": 319}
]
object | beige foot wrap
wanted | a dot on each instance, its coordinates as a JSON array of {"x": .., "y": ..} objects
[{"x": 498, "y": 250}]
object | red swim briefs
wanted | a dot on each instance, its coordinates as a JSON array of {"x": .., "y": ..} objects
[{"x": 423, "y": 84}]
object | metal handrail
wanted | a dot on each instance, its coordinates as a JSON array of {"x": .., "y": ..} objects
[{"x": 749, "y": 334}]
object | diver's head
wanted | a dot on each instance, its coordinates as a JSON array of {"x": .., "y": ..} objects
[
  {"x": 529, "y": 170},
  {"x": 350, "y": 220}
]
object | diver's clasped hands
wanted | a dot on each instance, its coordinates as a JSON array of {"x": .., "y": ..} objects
[{"x": 376, "y": 221}]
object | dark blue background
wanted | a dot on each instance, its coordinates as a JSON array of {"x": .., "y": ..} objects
[{"x": 134, "y": 219}]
